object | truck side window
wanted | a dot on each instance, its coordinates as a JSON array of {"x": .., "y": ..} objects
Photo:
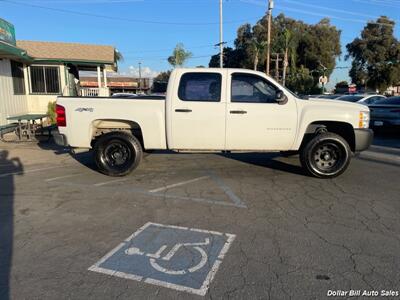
[
  {"x": 252, "y": 89},
  {"x": 200, "y": 87}
]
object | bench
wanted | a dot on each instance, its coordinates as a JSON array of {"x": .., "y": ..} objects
[{"x": 4, "y": 129}]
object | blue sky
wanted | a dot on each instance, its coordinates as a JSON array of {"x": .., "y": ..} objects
[{"x": 147, "y": 30}]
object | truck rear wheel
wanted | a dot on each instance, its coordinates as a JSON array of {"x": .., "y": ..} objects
[
  {"x": 117, "y": 153},
  {"x": 327, "y": 155}
]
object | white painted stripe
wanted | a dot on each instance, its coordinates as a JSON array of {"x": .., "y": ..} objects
[
  {"x": 138, "y": 231},
  {"x": 108, "y": 255},
  {"x": 209, "y": 278},
  {"x": 177, "y": 184},
  {"x": 172, "y": 226},
  {"x": 61, "y": 177},
  {"x": 176, "y": 286},
  {"x": 231, "y": 238},
  {"x": 115, "y": 273},
  {"x": 110, "y": 181},
  {"x": 206, "y": 231},
  {"x": 29, "y": 171}
]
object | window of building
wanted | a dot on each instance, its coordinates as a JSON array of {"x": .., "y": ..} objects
[
  {"x": 17, "y": 73},
  {"x": 45, "y": 80},
  {"x": 200, "y": 87},
  {"x": 252, "y": 89}
]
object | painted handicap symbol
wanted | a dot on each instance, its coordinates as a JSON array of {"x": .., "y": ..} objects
[
  {"x": 155, "y": 256},
  {"x": 175, "y": 257}
]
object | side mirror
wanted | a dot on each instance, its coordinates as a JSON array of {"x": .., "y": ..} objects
[{"x": 281, "y": 97}]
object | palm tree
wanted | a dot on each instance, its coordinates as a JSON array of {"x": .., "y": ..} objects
[
  {"x": 179, "y": 56},
  {"x": 118, "y": 56},
  {"x": 257, "y": 49},
  {"x": 289, "y": 47}
]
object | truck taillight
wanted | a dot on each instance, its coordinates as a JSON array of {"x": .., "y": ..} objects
[{"x": 61, "y": 119}]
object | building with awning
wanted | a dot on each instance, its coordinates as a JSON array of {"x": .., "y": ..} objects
[
  {"x": 34, "y": 73},
  {"x": 117, "y": 84}
]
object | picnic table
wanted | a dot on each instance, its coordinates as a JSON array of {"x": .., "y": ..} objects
[{"x": 27, "y": 125}]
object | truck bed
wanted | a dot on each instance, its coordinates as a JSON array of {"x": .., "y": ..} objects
[{"x": 87, "y": 115}]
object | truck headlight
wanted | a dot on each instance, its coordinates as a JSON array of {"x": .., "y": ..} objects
[{"x": 363, "y": 121}]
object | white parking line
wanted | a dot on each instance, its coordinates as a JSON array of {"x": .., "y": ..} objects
[
  {"x": 177, "y": 184},
  {"x": 28, "y": 171},
  {"x": 61, "y": 177},
  {"x": 110, "y": 181}
]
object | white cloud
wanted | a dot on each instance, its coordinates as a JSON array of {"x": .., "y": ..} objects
[{"x": 146, "y": 72}]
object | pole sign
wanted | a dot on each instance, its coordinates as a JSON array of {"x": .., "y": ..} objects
[
  {"x": 352, "y": 88},
  {"x": 7, "y": 32},
  {"x": 323, "y": 80}
]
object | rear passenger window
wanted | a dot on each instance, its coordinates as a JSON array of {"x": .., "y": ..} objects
[{"x": 200, "y": 87}]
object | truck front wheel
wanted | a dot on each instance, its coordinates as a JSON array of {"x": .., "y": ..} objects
[
  {"x": 327, "y": 155},
  {"x": 117, "y": 153}
]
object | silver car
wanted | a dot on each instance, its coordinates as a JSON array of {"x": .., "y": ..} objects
[
  {"x": 365, "y": 99},
  {"x": 385, "y": 113}
]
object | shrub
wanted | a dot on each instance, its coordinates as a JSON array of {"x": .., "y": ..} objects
[{"x": 51, "y": 111}]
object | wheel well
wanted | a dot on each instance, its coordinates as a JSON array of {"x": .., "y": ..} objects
[
  {"x": 345, "y": 130},
  {"x": 100, "y": 127}
]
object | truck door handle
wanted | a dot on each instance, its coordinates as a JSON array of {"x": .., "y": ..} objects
[
  {"x": 183, "y": 110},
  {"x": 238, "y": 112}
]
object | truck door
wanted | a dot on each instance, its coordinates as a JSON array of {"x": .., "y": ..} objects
[
  {"x": 198, "y": 112},
  {"x": 255, "y": 121}
]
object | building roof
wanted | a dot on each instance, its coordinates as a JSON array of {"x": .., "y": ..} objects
[
  {"x": 12, "y": 52},
  {"x": 68, "y": 52}
]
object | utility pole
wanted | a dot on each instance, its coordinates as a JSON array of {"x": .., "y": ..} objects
[
  {"x": 221, "y": 37},
  {"x": 323, "y": 74},
  {"x": 270, "y": 7},
  {"x": 277, "y": 67},
  {"x": 285, "y": 65},
  {"x": 277, "y": 59},
  {"x": 140, "y": 77}
]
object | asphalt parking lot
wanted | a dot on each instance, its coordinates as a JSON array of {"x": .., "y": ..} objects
[{"x": 68, "y": 232}]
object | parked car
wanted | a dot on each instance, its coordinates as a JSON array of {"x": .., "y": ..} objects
[
  {"x": 124, "y": 95},
  {"x": 386, "y": 113},
  {"x": 327, "y": 96},
  {"x": 216, "y": 110},
  {"x": 365, "y": 99}
]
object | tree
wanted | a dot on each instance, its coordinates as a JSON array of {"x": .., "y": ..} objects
[
  {"x": 301, "y": 82},
  {"x": 179, "y": 56},
  {"x": 257, "y": 50},
  {"x": 233, "y": 58},
  {"x": 341, "y": 86},
  {"x": 160, "y": 82},
  {"x": 304, "y": 48},
  {"x": 376, "y": 55}
]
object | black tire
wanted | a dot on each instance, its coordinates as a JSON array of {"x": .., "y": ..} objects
[
  {"x": 327, "y": 155},
  {"x": 117, "y": 153}
]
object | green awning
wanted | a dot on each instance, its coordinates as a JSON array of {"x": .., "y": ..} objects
[{"x": 12, "y": 52}]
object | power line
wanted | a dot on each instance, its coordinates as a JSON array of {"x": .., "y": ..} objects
[
  {"x": 162, "y": 58},
  {"x": 308, "y": 12},
  {"x": 119, "y": 18},
  {"x": 169, "y": 49},
  {"x": 331, "y": 9},
  {"x": 386, "y": 4},
  {"x": 331, "y": 16}
]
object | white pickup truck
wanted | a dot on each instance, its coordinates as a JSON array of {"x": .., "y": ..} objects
[{"x": 215, "y": 110}]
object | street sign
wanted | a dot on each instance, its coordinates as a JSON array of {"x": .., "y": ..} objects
[
  {"x": 7, "y": 32},
  {"x": 352, "y": 88},
  {"x": 323, "y": 80}
]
